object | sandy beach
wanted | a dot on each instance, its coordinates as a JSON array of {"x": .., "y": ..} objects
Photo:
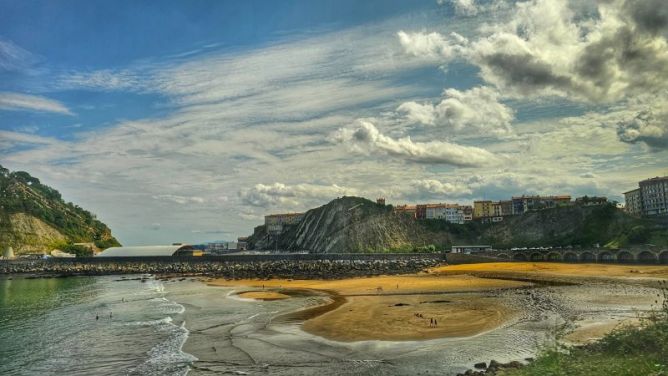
[
  {"x": 395, "y": 308},
  {"x": 546, "y": 271},
  {"x": 459, "y": 298},
  {"x": 369, "y": 325}
]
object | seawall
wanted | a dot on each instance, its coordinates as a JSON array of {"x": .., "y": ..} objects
[{"x": 298, "y": 266}]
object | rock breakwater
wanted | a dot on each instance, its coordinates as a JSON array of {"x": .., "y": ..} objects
[{"x": 297, "y": 269}]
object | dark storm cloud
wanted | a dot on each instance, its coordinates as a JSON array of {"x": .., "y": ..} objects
[
  {"x": 648, "y": 15},
  {"x": 525, "y": 72}
]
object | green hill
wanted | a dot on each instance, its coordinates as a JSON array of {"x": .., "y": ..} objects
[
  {"x": 353, "y": 224},
  {"x": 35, "y": 218}
]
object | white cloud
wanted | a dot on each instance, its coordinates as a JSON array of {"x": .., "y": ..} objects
[
  {"x": 106, "y": 80},
  {"x": 546, "y": 49},
  {"x": 182, "y": 200},
  {"x": 278, "y": 193},
  {"x": 431, "y": 45},
  {"x": 24, "y": 102},
  {"x": 465, "y": 7},
  {"x": 477, "y": 109},
  {"x": 433, "y": 186},
  {"x": 366, "y": 138},
  {"x": 14, "y": 58}
]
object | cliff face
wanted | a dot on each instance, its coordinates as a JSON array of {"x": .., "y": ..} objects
[
  {"x": 348, "y": 224},
  {"x": 34, "y": 217},
  {"x": 352, "y": 224}
]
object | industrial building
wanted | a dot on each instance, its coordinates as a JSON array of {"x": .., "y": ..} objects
[{"x": 151, "y": 251}]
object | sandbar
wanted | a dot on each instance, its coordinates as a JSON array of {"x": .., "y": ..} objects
[
  {"x": 385, "y": 307},
  {"x": 263, "y": 295}
]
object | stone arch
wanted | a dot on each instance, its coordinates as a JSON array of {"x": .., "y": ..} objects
[
  {"x": 647, "y": 257},
  {"x": 625, "y": 257},
  {"x": 570, "y": 257},
  {"x": 553, "y": 256},
  {"x": 537, "y": 256},
  {"x": 606, "y": 256},
  {"x": 519, "y": 257},
  {"x": 663, "y": 257},
  {"x": 503, "y": 256},
  {"x": 587, "y": 257}
]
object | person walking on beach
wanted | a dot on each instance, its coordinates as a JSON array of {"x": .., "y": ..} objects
[
  {"x": 431, "y": 323},
  {"x": 435, "y": 323}
]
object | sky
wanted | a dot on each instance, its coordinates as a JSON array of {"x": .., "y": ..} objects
[{"x": 179, "y": 121}]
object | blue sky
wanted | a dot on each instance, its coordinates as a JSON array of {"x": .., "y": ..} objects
[{"x": 188, "y": 121}]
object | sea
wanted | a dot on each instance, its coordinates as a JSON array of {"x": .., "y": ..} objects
[
  {"x": 140, "y": 325},
  {"x": 106, "y": 325}
]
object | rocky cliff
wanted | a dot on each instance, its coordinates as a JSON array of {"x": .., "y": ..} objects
[
  {"x": 352, "y": 224},
  {"x": 35, "y": 218},
  {"x": 348, "y": 224}
]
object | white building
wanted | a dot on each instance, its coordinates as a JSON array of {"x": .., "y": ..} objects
[
  {"x": 452, "y": 213},
  {"x": 470, "y": 248},
  {"x": 651, "y": 198}
]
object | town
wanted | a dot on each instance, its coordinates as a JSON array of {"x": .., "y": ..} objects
[{"x": 650, "y": 199}]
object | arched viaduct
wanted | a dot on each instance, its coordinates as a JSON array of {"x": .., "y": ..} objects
[{"x": 624, "y": 256}]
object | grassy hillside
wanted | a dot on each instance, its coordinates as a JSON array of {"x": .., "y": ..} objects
[{"x": 34, "y": 217}]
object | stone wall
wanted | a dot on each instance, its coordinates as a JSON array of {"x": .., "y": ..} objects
[{"x": 246, "y": 267}]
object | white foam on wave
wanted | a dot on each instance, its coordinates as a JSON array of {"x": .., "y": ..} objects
[
  {"x": 167, "y": 357},
  {"x": 164, "y": 320}
]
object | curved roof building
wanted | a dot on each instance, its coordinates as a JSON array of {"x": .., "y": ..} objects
[{"x": 148, "y": 251}]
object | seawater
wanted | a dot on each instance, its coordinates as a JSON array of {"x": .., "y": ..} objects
[{"x": 106, "y": 325}]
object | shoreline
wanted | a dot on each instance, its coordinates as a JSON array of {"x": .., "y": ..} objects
[{"x": 278, "y": 334}]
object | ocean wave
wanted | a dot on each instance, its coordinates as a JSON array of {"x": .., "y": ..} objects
[
  {"x": 164, "y": 320},
  {"x": 167, "y": 357}
]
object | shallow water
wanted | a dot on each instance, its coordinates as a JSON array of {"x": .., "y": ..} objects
[{"x": 49, "y": 327}]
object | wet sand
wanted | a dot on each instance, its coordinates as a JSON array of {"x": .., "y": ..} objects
[
  {"x": 263, "y": 295},
  {"x": 393, "y": 318},
  {"x": 549, "y": 271},
  {"x": 384, "y": 307},
  {"x": 480, "y": 318},
  {"x": 381, "y": 285}
]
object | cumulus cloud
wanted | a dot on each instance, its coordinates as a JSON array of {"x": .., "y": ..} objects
[
  {"x": 432, "y": 186},
  {"x": 262, "y": 195},
  {"x": 23, "y": 102},
  {"x": 546, "y": 49},
  {"x": 366, "y": 138},
  {"x": 465, "y": 7},
  {"x": 182, "y": 200},
  {"x": 646, "y": 126},
  {"x": 476, "y": 109},
  {"x": 431, "y": 45}
]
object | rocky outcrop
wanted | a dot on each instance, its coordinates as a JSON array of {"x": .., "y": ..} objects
[
  {"x": 345, "y": 225},
  {"x": 30, "y": 233}
]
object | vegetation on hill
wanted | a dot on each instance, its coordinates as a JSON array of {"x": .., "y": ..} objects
[
  {"x": 640, "y": 351},
  {"x": 353, "y": 224},
  {"x": 34, "y": 217}
]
